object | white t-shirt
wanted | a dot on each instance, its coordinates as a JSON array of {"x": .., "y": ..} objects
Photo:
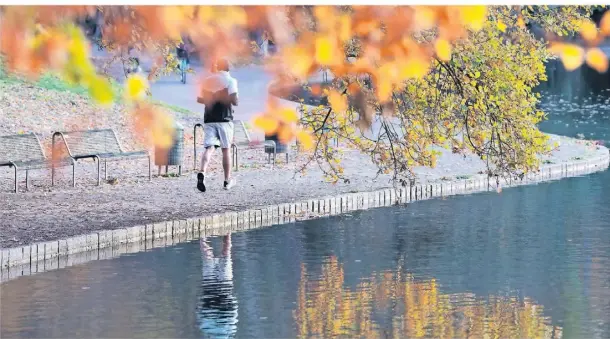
[{"x": 220, "y": 80}]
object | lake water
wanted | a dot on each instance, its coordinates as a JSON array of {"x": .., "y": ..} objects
[{"x": 533, "y": 261}]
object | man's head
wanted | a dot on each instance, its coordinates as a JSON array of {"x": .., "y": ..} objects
[{"x": 223, "y": 65}]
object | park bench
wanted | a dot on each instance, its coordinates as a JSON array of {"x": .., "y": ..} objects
[
  {"x": 241, "y": 138},
  {"x": 23, "y": 152},
  {"x": 99, "y": 145}
]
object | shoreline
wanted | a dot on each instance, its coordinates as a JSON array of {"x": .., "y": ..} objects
[{"x": 105, "y": 244}]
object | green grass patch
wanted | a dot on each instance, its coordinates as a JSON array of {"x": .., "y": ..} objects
[
  {"x": 173, "y": 108},
  {"x": 53, "y": 82}
]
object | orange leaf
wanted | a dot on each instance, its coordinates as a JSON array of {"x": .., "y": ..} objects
[
  {"x": 384, "y": 90},
  {"x": 337, "y": 101},
  {"x": 267, "y": 124},
  {"x": 521, "y": 22},
  {"x": 588, "y": 31},
  {"x": 443, "y": 49},
  {"x": 299, "y": 60},
  {"x": 425, "y": 17},
  {"x": 345, "y": 27},
  {"x": 285, "y": 134},
  {"x": 597, "y": 59},
  {"x": 604, "y": 25}
]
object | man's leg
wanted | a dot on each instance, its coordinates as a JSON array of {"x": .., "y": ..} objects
[
  {"x": 210, "y": 140},
  {"x": 205, "y": 159},
  {"x": 226, "y": 163},
  {"x": 225, "y": 135}
]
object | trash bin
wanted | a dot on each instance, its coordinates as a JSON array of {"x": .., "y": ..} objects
[
  {"x": 274, "y": 146},
  {"x": 174, "y": 155}
]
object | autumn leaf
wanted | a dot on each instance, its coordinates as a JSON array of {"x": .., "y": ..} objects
[
  {"x": 501, "y": 26},
  {"x": 345, "y": 27},
  {"x": 597, "y": 59},
  {"x": 325, "y": 50},
  {"x": 473, "y": 16},
  {"x": 286, "y": 115},
  {"x": 414, "y": 67},
  {"x": 588, "y": 31},
  {"x": 337, "y": 101},
  {"x": 443, "y": 49},
  {"x": 604, "y": 25},
  {"x": 572, "y": 56},
  {"x": 305, "y": 139},
  {"x": 425, "y": 17},
  {"x": 299, "y": 60},
  {"x": 521, "y": 22},
  {"x": 285, "y": 133},
  {"x": 266, "y": 123},
  {"x": 100, "y": 90},
  {"x": 135, "y": 87}
]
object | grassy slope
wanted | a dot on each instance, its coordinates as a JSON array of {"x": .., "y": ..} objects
[{"x": 52, "y": 82}]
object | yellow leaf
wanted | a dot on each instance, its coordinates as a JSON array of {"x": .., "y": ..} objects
[
  {"x": 135, "y": 87},
  {"x": 473, "y": 16},
  {"x": 267, "y": 124},
  {"x": 572, "y": 56},
  {"x": 604, "y": 25},
  {"x": 443, "y": 49},
  {"x": 501, "y": 26},
  {"x": 100, "y": 90},
  {"x": 287, "y": 115},
  {"x": 597, "y": 59},
  {"x": 305, "y": 139},
  {"x": 325, "y": 51},
  {"x": 521, "y": 22},
  {"x": 337, "y": 101},
  {"x": 588, "y": 31},
  {"x": 414, "y": 68}
]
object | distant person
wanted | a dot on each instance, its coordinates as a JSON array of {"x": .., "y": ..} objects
[
  {"x": 217, "y": 307},
  {"x": 219, "y": 95},
  {"x": 265, "y": 45},
  {"x": 183, "y": 50}
]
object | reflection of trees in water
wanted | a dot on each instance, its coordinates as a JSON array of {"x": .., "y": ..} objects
[{"x": 417, "y": 309}]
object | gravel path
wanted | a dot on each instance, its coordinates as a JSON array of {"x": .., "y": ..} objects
[{"x": 43, "y": 214}]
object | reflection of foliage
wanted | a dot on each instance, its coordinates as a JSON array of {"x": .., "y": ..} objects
[{"x": 417, "y": 308}]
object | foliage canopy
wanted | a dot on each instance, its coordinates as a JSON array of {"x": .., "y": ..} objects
[{"x": 407, "y": 78}]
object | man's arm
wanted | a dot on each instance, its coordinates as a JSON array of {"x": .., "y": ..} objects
[
  {"x": 234, "y": 99},
  {"x": 233, "y": 92}
]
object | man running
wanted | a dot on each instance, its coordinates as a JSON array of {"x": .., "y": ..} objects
[{"x": 219, "y": 95}]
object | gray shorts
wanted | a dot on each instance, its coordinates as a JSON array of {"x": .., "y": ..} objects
[{"x": 218, "y": 134}]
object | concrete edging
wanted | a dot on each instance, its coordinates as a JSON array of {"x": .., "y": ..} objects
[{"x": 45, "y": 256}]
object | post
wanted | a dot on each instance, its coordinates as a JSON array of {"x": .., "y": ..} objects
[
  {"x": 15, "y": 167},
  {"x": 98, "y": 169}
]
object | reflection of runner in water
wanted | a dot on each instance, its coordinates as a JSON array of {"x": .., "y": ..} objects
[{"x": 217, "y": 310}]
